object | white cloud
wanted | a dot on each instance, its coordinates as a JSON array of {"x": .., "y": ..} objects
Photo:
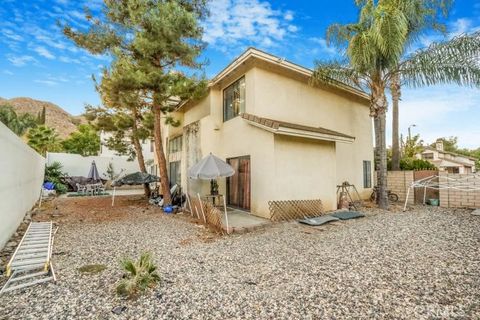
[
  {"x": 42, "y": 51},
  {"x": 248, "y": 22},
  {"x": 78, "y": 15},
  {"x": 8, "y": 72},
  {"x": 11, "y": 35},
  {"x": 49, "y": 83},
  {"x": 288, "y": 15},
  {"x": 19, "y": 61},
  {"x": 323, "y": 46},
  {"x": 461, "y": 26},
  {"x": 69, "y": 60}
]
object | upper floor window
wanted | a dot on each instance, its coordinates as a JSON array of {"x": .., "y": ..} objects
[
  {"x": 427, "y": 156},
  {"x": 234, "y": 100},
  {"x": 175, "y": 145}
]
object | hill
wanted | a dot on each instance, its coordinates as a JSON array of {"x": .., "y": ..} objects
[{"x": 55, "y": 117}]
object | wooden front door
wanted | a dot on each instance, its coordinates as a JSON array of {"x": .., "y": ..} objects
[{"x": 238, "y": 185}]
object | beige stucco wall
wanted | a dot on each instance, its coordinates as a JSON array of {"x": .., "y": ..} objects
[
  {"x": 304, "y": 169},
  {"x": 282, "y": 98},
  {"x": 20, "y": 185},
  {"x": 285, "y": 168}
]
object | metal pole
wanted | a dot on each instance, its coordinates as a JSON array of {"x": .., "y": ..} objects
[
  {"x": 226, "y": 215},
  {"x": 406, "y": 199},
  {"x": 424, "y": 194},
  {"x": 113, "y": 196}
]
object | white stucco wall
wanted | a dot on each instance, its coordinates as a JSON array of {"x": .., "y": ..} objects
[
  {"x": 76, "y": 165},
  {"x": 20, "y": 185}
]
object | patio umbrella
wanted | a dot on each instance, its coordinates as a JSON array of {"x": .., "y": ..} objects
[
  {"x": 210, "y": 168},
  {"x": 93, "y": 173},
  {"x": 137, "y": 178}
]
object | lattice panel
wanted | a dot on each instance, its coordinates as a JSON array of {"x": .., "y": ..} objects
[
  {"x": 294, "y": 209},
  {"x": 210, "y": 215}
]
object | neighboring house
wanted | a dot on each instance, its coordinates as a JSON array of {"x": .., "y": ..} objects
[
  {"x": 286, "y": 139},
  {"x": 447, "y": 161}
]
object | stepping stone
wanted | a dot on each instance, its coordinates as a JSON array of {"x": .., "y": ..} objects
[
  {"x": 318, "y": 221},
  {"x": 347, "y": 215}
]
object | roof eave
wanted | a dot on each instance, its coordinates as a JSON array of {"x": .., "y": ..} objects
[{"x": 282, "y": 130}]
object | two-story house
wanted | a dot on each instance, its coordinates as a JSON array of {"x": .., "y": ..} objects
[
  {"x": 447, "y": 161},
  {"x": 286, "y": 139}
]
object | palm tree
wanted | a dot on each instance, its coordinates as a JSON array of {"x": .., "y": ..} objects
[
  {"x": 19, "y": 124},
  {"x": 374, "y": 48},
  {"x": 422, "y": 15},
  {"x": 43, "y": 139}
]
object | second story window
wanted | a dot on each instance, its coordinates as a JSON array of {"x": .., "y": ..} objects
[
  {"x": 427, "y": 156},
  {"x": 234, "y": 100},
  {"x": 175, "y": 145}
]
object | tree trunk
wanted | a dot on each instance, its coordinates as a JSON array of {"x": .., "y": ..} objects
[
  {"x": 160, "y": 155},
  {"x": 138, "y": 150},
  {"x": 379, "y": 111},
  {"x": 396, "y": 95}
]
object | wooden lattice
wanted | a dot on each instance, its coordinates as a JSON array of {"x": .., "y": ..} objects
[
  {"x": 210, "y": 215},
  {"x": 294, "y": 209}
]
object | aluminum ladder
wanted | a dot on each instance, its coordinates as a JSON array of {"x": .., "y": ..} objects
[{"x": 31, "y": 261}]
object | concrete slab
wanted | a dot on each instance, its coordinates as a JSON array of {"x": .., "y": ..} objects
[{"x": 241, "y": 221}]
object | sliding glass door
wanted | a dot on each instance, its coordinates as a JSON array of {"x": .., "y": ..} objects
[{"x": 238, "y": 185}]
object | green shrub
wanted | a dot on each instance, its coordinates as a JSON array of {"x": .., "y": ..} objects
[
  {"x": 53, "y": 173},
  {"x": 416, "y": 164},
  {"x": 139, "y": 276}
]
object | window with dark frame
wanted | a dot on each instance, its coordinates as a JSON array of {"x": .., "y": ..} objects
[
  {"x": 234, "y": 99},
  {"x": 367, "y": 174},
  {"x": 427, "y": 156},
  {"x": 175, "y": 145}
]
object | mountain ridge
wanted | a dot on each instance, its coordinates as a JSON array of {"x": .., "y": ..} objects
[{"x": 55, "y": 116}]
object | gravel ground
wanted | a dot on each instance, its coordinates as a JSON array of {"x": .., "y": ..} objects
[{"x": 420, "y": 264}]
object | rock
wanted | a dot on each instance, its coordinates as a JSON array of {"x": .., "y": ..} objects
[
  {"x": 475, "y": 212},
  {"x": 118, "y": 309}
]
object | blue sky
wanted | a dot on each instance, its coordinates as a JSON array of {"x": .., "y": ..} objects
[{"x": 37, "y": 61}]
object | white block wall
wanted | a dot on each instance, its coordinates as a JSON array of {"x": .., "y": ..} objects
[
  {"x": 21, "y": 177},
  {"x": 76, "y": 165}
]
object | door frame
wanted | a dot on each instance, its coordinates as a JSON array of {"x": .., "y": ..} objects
[{"x": 249, "y": 184}]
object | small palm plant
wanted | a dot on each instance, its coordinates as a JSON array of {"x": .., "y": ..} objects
[{"x": 140, "y": 275}]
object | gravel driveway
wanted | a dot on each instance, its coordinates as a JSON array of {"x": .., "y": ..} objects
[{"x": 419, "y": 264}]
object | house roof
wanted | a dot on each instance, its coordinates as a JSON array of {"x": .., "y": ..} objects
[
  {"x": 451, "y": 153},
  {"x": 298, "y": 130},
  {"x": 254, "y": 53}
]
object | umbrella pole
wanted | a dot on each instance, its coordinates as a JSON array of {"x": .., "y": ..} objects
[
  {"x": 113, "y": 196},
  {"x": 201, "y": 207},
  {"x": 226, "y": 215}
]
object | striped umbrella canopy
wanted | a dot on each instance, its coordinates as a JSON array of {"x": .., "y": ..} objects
[
  {"x": 93, "y": 173},
  {"x": 210, "y": 167}
]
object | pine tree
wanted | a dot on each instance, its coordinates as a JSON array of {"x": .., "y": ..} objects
[{"x": 150, "y": 40}]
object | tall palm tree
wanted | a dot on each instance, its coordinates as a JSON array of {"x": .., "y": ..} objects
[
  {"x": 374, "y": 48},
  {"x": 43, "y": 139},
  {"x": 423, "y": 16}
]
